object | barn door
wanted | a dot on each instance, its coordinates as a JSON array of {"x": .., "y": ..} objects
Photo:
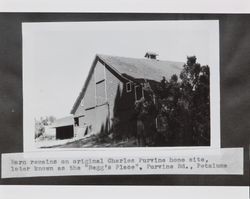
[{"x": 102, "y": 118}]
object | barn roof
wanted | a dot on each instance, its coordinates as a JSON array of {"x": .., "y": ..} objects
[
  {"x": 66, "y": 121},
  {"x": 138, "y": 68},
  {"x": 144, "y": 68}
]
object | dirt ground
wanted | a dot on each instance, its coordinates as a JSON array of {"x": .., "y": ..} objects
[{"x": 93, "y": 142}]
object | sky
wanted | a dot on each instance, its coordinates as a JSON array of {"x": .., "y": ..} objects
[{"x": 58, "y": 55}]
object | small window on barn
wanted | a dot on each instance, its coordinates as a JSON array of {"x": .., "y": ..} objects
[
  {"x": 128, "y": 87},
  {"x": 76, "y": 121},
  {"x": 82, "y": 102},
  {"x": 138, "y": 93}
]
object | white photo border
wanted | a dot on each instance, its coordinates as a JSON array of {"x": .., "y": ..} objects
[{"x": 214, "y": 96}]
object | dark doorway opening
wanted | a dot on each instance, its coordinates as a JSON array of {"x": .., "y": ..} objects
[{"x": 64, "y": 132}]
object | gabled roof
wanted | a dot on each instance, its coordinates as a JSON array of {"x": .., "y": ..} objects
[
  {"x": 138, "y": 68},
  {"x": 144, "y": 68},
  {"x": 66, "y": 121}
]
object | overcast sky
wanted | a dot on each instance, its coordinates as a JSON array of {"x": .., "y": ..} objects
[{"x": 58, "y": 56}]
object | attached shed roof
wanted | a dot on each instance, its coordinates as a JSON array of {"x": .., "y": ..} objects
[
  {"x": 66, "y": 121},
  {"x": 138, "y": 68},
  {"x": 145, "y": 68}
]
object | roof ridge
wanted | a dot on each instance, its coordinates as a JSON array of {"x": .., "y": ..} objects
[{"x": 141, "y": 58}]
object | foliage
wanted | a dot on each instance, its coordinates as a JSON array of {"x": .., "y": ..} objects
[
  {"x": 196, "y": 97},
  {"x": 41, "y": 123},
  {"x": 183, "y": 109}
]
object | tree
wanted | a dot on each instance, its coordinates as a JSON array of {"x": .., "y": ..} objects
[
  {"x": 169, "y": 112},
  {"x": 195, "y": 95},
  {"x": 51, "y": 119},
  {"x": 41, "y": 123},
  {"x": 184, "y": 106}
]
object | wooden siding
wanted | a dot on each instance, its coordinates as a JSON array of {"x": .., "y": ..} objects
[
  {"x": 99, "y": 72},
  {"x": 81, "y": 121},
  {"x": 102, "y": 118},
  {"x": 100, "y": 93},
  {"x": 89, "y": 96},
  {"x": 88, "y": 99},
  {"x": 100, "y": 84},
  {"x": 80, "y": 111},
  {"x": 90, "y": 119},
  {"x": 114, "y": 90},
  {"x": 106, "y": 97},
  {"x": 121, "y": 104}
]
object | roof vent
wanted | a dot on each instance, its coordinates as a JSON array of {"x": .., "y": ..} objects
[{"x": 151, "y": 55}]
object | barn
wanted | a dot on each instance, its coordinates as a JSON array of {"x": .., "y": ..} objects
[
  {"x": 64, "y": 128},
  {"x": 112, "y": 86}
]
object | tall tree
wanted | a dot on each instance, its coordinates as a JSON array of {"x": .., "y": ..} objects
[
  {"x": 195, "y": 94},
  {"x": 185, "y": 105}
]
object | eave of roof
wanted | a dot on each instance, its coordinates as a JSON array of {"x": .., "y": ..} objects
[{"x": 66, "y": 121}]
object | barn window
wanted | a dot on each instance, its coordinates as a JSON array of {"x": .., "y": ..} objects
[
  {"x": 76, "y": 121},
  {"x": 128, "y": 87},
  {"x": 138, "y": 93}
]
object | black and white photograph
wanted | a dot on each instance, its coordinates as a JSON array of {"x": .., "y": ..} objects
[
  {"x": 124, "y": 99},
  {"x": 120, "y": 84}
]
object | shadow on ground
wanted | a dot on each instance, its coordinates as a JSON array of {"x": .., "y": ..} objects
[{"x": 94, "y": 142}]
